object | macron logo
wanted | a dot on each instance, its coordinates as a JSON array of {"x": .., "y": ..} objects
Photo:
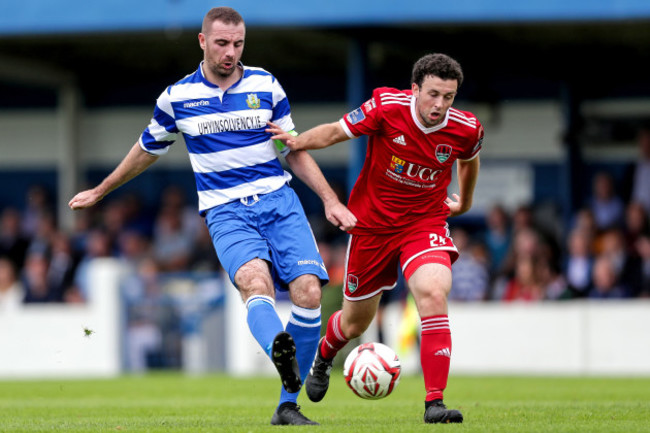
[
  {"x": 400, "y": 140},
  {"x": 443, "y": 352},
  {"x": 196, "y": 104}
]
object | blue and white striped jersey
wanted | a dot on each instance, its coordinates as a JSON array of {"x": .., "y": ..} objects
[{"x": 231, "y": 154}]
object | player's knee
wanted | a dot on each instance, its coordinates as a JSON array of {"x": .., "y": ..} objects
[
  {"x": 255, "y": 287},
  {"x": 432, "y": 300},
  {"x": 306, "y": 292},
  {"x": 254, "y": 278},
  {"x": 308, "y": 298}
]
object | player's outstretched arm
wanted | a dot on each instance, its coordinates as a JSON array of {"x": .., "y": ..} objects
[
  {"x": 467, "y": 177},
  {"x": 304, "y": 166},
  {"x": 317, "y": 137},
  {"x": 134, "y": 163}
]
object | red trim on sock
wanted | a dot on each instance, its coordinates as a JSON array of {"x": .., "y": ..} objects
[
  {"x": 334, "y": 339},
  {"x": 435, "y": 355}
]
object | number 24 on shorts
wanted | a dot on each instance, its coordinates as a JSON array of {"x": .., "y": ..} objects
[{"x": 437, "y": 241}]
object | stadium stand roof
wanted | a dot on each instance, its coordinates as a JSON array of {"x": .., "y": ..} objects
[{"x": 75, "y": 16}]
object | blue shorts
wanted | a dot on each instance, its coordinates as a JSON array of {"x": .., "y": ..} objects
[{"x": 273, "y": 228}]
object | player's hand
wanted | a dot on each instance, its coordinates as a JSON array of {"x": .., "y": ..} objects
[
  {"x": 455, "y": 206},
  {"x": 339, "y": 215},
  {"x": 282, "y": 135},
  {"x": 84, "y": 199}
]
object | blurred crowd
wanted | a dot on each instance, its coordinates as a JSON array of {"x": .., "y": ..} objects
[
  {"x": 39, "y": 262},
  {"x": 529, "y": 255},
  {"x": 520, "y": 254}
]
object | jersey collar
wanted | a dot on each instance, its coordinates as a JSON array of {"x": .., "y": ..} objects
[
  {"x": 210, "y": 84},
  {"x": 422, "y": 127}
]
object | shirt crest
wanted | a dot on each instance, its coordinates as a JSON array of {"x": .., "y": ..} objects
[
  {"x": 253, "y": 101},
  {"x": 443, "y": 152}
]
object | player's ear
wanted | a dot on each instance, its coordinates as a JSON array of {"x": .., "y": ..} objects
[
  {"x": 202, "y": 41},
  {"x": 416, "y": 89}
]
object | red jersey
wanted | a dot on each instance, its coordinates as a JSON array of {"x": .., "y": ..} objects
[{"x": 407, "y": 167}]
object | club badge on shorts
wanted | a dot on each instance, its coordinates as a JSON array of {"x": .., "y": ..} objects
[{"x": 353, "y": 283}]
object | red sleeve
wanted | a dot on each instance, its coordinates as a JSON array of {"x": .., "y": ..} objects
[
  {"x": 366, "y": 119},
  {"x": 476, "y": 144}
]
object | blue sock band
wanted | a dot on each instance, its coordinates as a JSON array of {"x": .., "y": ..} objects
[
  {"x": 263, "y": 321},
  {"x": 304, "y": 326}
]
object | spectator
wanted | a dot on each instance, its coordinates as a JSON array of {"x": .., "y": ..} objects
[
  {"x": 13, "y": 244},
  {"x": 43, "y": 234},
  {"x": 612, "y": 245},
  {"x": 83, "y": 222},
  {"x": 584, "y": 220},
  {"x": 133, "y": 247},
  {"x": 98, "y": 244},
  {"x": 113, "y": 220},
  {"x": 636, "y": 226},
  {"x": 525, "y": 284},
  {"x": 523, "y": 218},
  {"x": 37, "y": 206},
  {"x": 527, "y": 244},
  {"x": 62, "y": 266},
  {"x": 11, "y": 291},
  {"x": 38, "y": 288},
  {"x": 606, "y": 283},
  {"x": 606, "y": 205},
  {"x": 173, "y": 197},
  {"x": 497, "y": 237},
  {"x": 172, "y": 245},
  {"x": 579, "y": 263},
  {"x": 470, "y": 273},
  {"x": 553, "y": 282}
]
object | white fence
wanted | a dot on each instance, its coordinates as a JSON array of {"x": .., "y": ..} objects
[
  {"x": 558, "y": 338},
  {"x": 50, "y": 340}
]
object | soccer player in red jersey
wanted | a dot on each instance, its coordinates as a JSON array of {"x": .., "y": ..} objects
[{"x": 401, "y": 204}]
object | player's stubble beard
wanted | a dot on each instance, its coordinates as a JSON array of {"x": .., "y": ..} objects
[
  {"x": 222, "y": 72},
  {"x": 424, "y": 118}
]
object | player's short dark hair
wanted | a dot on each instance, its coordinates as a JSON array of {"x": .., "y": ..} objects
[
  {"x": 224, "y": 14},
  {"x": 439, "y": 65}
]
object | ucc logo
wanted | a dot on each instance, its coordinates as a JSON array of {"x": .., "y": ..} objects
[{"x": 401, "y": 166}]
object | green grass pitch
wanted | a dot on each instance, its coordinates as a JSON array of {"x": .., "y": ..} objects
[{"x": 218, "y": 403}]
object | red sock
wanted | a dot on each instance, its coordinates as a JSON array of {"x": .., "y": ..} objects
[
  {"x": 435, "y": 355},
  {"x": 334, "y": 339}
]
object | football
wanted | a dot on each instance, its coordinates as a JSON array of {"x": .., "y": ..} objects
[{"x": 372, "y": 370}]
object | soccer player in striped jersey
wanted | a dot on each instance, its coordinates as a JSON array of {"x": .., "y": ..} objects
[
  {"x": 401, "y": 203},
  {"x": 257, "y": 225}
]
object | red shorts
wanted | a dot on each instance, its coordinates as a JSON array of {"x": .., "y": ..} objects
[{"x": 373, "y": 260}]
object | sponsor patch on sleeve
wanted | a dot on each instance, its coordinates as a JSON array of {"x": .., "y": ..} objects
[{"x": 356, "y": 116}]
